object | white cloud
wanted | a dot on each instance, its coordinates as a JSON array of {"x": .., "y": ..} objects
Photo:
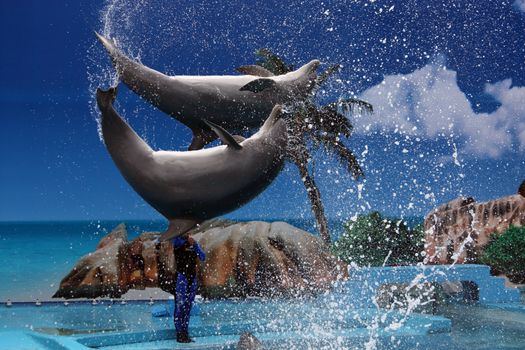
[
  {"x": 428, "y": 103},
  {"x": 520, "y": 5}
]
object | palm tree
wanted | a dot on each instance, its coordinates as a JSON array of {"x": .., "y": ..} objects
[{"x": 312, "y": 126}]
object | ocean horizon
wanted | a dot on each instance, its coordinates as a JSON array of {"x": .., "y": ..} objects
[{"x": 36, "y": 255}]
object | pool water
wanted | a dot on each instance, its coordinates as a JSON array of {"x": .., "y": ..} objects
[
  {"x": 331, "y": 321},
  {"x": 475, "y": 327},
  {"x": 326, "y": 322}
]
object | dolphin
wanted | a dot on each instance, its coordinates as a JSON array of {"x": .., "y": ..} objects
[
  {"x": 231, "y": 101},
  {"x": 248, "y": 341},
  {"x": 190, "y": 187}
]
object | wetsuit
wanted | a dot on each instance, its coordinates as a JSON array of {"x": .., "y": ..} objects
[{"x": 186, "y": 279}]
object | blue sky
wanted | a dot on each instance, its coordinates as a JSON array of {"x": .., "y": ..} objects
[{"x": 446, "y": 78}]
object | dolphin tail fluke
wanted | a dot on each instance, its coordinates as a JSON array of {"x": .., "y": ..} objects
[
  {"x": 178, "y": 227},
  {"x": 144, "y": 81},
  {"x": 309, "y": 72},
  {"x": 309, "y": 68},
  {"x": 275, "y": 115},
  {"x": 106, "y": 98}
]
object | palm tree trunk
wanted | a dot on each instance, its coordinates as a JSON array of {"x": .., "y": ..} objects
[{"x": 315, "y": 199}]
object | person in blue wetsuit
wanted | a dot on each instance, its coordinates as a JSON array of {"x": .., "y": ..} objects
[{"x": 186, "y": 250}]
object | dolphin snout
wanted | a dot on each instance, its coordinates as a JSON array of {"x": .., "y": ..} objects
[
  {"x": 313, "y": 65},
  {"x": 275, "y": 116}
]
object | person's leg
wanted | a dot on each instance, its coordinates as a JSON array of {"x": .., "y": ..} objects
[
  {"x": 193, "y": 292},
  {"x": 189, "y": 297},
  {"x": 180, "y": 303}
]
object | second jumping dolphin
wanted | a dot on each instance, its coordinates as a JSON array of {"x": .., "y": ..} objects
[{"x": 190, "y": 187}]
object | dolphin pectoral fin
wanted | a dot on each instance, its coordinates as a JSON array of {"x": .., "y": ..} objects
[
  {"x": 259, "y": 85},
  {"x": 201, "y": 138},
  {"x": 253, "y": 69},
  {"x": 225, "y": 136},
  {"x": 178, "y": 227}
]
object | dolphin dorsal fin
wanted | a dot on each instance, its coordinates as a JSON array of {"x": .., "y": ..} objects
[
  {"x": 258, "y": 85},
  {"x": 253, "y": 69},
  {"x": 225, "y": 136}
]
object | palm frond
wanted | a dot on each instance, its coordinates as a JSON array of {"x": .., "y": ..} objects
[
  {"x": 351, "y": 105},
  {"x": 345, "y": 156},
  {"x": 311, "y": 125},
  {"x": 333, "y": 122},
  {"x": 327, "y": 73}
]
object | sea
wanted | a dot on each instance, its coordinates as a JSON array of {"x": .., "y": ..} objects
[{"x": 35, "y": 256}]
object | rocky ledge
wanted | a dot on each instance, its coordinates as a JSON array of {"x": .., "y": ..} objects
[
  {"x": 243, "y": 259},
  {"x": 457, "y": 231}
]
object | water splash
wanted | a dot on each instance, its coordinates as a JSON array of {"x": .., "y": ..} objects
[
  {"x": 136, "y": 27},
  {"x": 123, "y": 21}
]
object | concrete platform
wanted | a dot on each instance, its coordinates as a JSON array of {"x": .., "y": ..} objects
[
  {"x": 363, "y": 283},
  {"x": 309, "y": 323}
]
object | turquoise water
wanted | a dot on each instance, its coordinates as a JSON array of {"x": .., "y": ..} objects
[
  {"x": 306, "y": 322},
  {"x": 35, "y": 256},
  {"x": 303, "y": 322}
]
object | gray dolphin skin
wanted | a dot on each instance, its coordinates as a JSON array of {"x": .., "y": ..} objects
[
  {"x": 231, "y": 101},
  {"x": 248, "y": 341},
  {"x": 190, "y": 187}
]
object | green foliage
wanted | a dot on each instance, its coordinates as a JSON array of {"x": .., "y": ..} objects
[
  {"x": 372, "y": 239},
  {"x": 506, "y": 253},
  {"x": 312, "y": 126}
]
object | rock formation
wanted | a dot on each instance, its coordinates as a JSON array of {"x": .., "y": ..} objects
[
  {"x": 457, "y": 231},
  {"x": 243, "y": 259}
]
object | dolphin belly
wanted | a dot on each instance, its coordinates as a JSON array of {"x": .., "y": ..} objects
[
  {"x": 211, "y": 185},
  {"x": 194, "y": 98}
]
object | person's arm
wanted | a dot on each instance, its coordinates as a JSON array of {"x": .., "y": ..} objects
[
  {"x": 199, "y": 251},
  {"x": 197, "y": 248}
]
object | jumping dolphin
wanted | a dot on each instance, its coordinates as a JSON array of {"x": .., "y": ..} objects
[
  {"x": 231, "y": 101},
  {"x": 190, "y": 187}
]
